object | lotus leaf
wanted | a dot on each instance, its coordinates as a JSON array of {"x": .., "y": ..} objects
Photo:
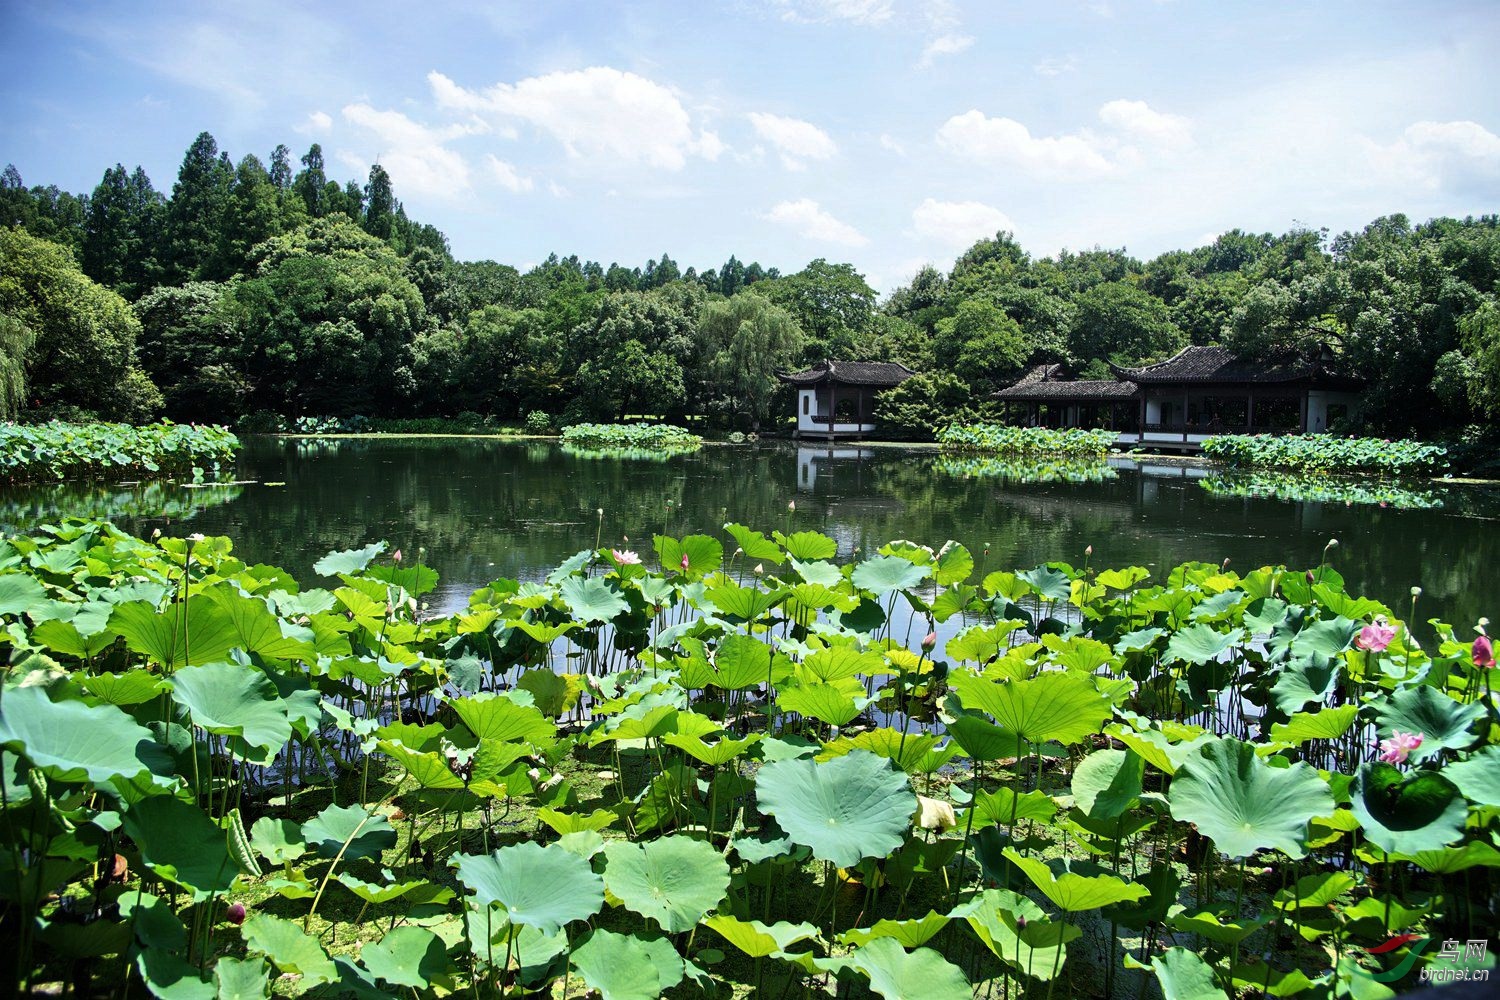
[
  {"x": 1478, "y": 777},
  {"x": 1182, "y": 975},
  {"x": 983, "y": 740},
  {"x": 907, "y": 933},
  {"x": 407, "y": 956},
  {"x": 808, "y": 545},
  {"x": 366, "y": 834},
  {"x": 1018, "y": 932},
  {"x": 242, "y": 979},
  {"x": 1214, "y": 927},
  {"x": 760, "y": 940},
  {"x": 348, "y": 561},
  {"x": 715, "y": 754},
  {"x": 1107, "y": 783},
  {"x": 1407, "y": 814},
  {"x": 182, "y": 845},
  {"x": 919, "y": 975},
  {"x": 674, "y": 881},
  {"x": 241, "y": 702},
  {"x": 592, "y": 599},
  {"x": 704, "y": 554},
  {"x": 72, "y": 741},
  {"x": 1054, "y": 705},
  {"x": 541, "y": 887},
  {"x": 886, "y": 574},
  {"x": 1327, "y": 724},
  {"x": 1200, "y": 644},
  {"x": 1243, "y": 803},
  {"x": 622, "y": 967},
  {"x": 289, "y": 948},
  {"x": 755, "y": 546},
  {"x": 846, "y": 809},
  {"x": 825, "y": 702},
  {"x": 1073, "y": 891},
  {"x": 1443, "y": 722},
  {"x": 494, "y": 718},
  {"x": 203, "y": 633}
]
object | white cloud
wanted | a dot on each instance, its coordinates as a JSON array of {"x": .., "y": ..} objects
[
  {"x": 1433, "y": 156},
  {"x": 958, "y": 223},
  {"x": 893, "y": 144},
  {"x": 1056, "y": 66},
  {"x": 795, "y": 140},
  {"x": 599, "y": 114},
  {"x": 414, "y": 154},
  {"x": 855, "y": 11},
  {"x": 944, "y": 45},
  {"x": 976, "y": 136},
  {"x": 1139, "y": 121},
  {"x": 808, "y": 219},
  {"x": 316, "y": 123},
  {"x": 506, "y": 175}
]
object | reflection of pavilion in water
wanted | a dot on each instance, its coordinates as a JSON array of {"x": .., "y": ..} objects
[{"x": 815, "y": 461}]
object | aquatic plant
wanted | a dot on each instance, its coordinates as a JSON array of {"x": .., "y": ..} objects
[
  {"x": 1327, "y": 453},
  {"x": 675, "y": 771},
  {"x": 58, "y": 450},
  {"x": 1315, "y": 488},
  {"x": 617, "y": 438},
  {"x": 1028, "y": 441},
  {"x": 1024, "y": 470}
]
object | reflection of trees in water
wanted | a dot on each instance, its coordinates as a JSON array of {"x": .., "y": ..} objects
[
  {"x": 485, "y": 509},
  {"x": 1323, "y": 489},
  {"x": 23, "y": 508}
]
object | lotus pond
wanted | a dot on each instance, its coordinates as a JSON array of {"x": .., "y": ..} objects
[{"x": 731, "y": 761}]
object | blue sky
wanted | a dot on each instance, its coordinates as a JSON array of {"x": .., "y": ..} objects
[{"x": 883, "y": 132}]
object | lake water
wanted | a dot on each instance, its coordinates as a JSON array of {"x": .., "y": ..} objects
[{"x": 483, "y": 509}]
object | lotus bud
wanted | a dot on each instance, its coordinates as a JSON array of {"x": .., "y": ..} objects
[
  {"x": 196, "y": 536},
  {"x": 929, "y": 641},
  {"x": 684, "y": 562},
  {"x": 236, "y": 913},
  {"x": 534, "y": 774},
  {"x": 1225, "y": 564},
  {"x": 1311, "y": 578},
  {"x": 601, "y": 512},
  {"x": 1333, "y": 543},
  {"x": 1416, "y": 592},
  {"x": 156, "y": 534},
  {"x": 1088, "y": 550},
  {"x": 760, "y": 569},
  {"x": 1483, "y": 652},
  {"x": 738, "y": 551},
  {"x": 1020, "y": 923}
]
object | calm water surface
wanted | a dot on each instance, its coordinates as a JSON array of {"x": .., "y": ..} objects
[{"x": 484, "y": 509}]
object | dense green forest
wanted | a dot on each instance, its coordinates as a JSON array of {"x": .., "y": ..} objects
[{"x": 257, "y": 288}]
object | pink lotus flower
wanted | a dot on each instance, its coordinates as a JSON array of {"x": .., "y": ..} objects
[
  {"x": 1395, "y": 749},
  {"x": 684, "y": 562},
  {"x": 625, "y": 557},
  {"x": 929, "y": 642},
  {"x": 1484, "y": 652},
  {"x": 1375, "y": 637},
  {"x": 396, "y": 556},
  {"x": 235, "y": 914}
]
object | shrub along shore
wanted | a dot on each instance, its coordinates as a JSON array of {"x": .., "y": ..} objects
[{"x": 677, "y": 770}]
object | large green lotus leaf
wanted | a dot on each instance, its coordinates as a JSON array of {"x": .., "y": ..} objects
[
  {"x": 745, "y": 603},
  {"x": 407, "y": 956},
  {"x": 348, "y": 560},
  {"x": 1328, "y": 724},
  {"x": 840, "y": 662},
  {"x": 742, "y": 662},
  {"x": 553, "y": 693},
  {"x": 242, "y": 979},
  {"x": 19, "y": 593},
  {"x": 1200, "y": 644},
  {"x": 233, "y": 700},
  {"x": 169, "y": 977},
  {"x": 415, "y": 892},
  {"x": 256, "y": 629},
  {"x": 277, "y": 840},
  {"x": 499, "y": 719},
  {"x": 1327, "y": 638},
  {"x": 1018, "y": 932},
  {"x": 64, "y": 637},
  {"x": 1072, "y": 891},
  {"x": 1004, "y": 806},
  {"x": 755, "y": 546},
  {"x": 907, "y": 933},
  {"x": 1407, "y": 814},
  {"x": 849, "y": 808},
  {"x": 174, "y": 638},
  {"x": 1474, "y": 854},
  {"x": 759, "y": 940},
  {"x": 181, "y": 844},
  {"x": 1478, "y": 777},
  {"x": 1245, "y": 804},
  {"x": 1157, "y": 749},
  {"x": 1107, "y": 783},
  {"x": 130, "y": 688},
  {"x": 366, "y": 833},
  {"x": 983, "y": 740},
  {"x": 704, "y": 554},
  {"x": 825, "y": 702},
  {"x": 913, "y": 753},
  {"x": 1053, "y": 705},
  {"x": 290, "y": 949},
  {"x": 1182, "y": 975},
  {"x": 919, "y": 975},
  {"x": 824, "y": 574},
  {"x": 1443, "y": 722},
  {"x": 592, "y": 599},
  {"x": 541, "y": 887},
  {"x": 1305, "y": 682},
  {"x": 807, "y": 545},
  {"x": 621, "y": 967},
  {"x": 674, "y": 881},
  {"x": 887, "y": 574},
  {"x": 72, "y": 741},
  {"x": 1214, "y": 927},
  {"x": 715, "y": 754},
  {"x": 954, "y": 564},
  {"x": 414, "y": 578}
]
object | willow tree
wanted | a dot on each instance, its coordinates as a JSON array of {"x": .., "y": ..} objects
[
  {"x": 747, "y": 340},
  {"x": 16, "y": 339}
]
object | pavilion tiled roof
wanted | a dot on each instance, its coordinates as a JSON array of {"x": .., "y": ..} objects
[
  {"x": 1087, "y": 390},
  {"x": 1220, "y": 365},
  {"x": 880, "y": 374}
]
